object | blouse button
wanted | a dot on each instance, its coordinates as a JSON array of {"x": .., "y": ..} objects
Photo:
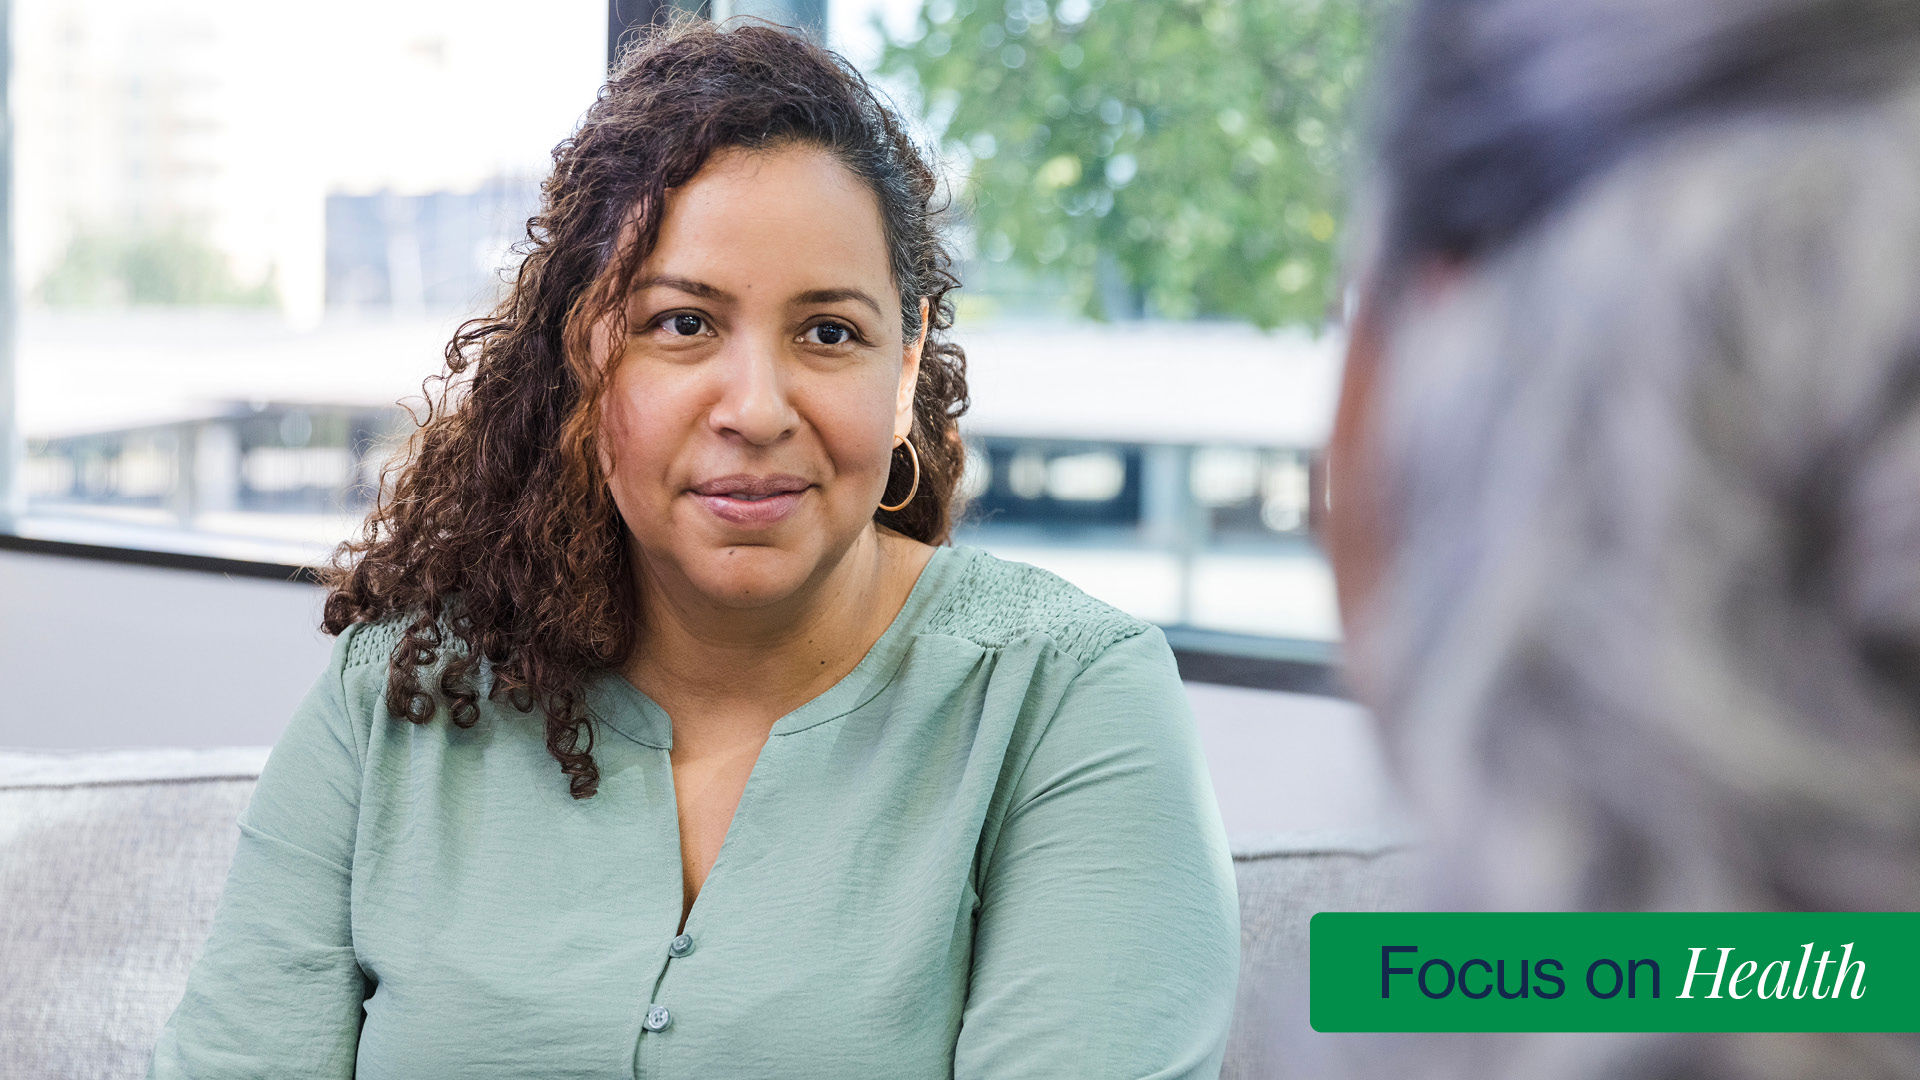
[
  {"x": 681, "y": 945},
  {"x": 658, "y": 1017}
]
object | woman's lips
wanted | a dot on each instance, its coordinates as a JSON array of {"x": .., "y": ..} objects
[{"x": 752, "y": 513}]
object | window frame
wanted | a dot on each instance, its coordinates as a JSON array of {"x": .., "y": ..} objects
[{"x": 13, "y": 450}]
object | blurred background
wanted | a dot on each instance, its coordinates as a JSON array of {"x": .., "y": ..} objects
[{"x": 243, "y": 234}]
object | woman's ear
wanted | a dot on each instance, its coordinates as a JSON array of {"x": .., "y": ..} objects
[
  {"x": 600, "y": 455},
  {"x": 910, "y": 377}
]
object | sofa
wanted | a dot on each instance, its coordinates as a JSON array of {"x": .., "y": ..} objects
[{"x": 112, "y": 862}]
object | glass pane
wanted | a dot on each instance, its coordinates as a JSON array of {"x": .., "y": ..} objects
[
  {"x": 1151, "y": 199},
  {"x": 244, "y": 232}
]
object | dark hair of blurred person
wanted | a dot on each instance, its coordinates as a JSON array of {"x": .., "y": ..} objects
[{"x": 1625, "y": 474}]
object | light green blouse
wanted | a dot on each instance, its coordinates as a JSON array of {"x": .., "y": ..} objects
[{"x": 991, "y": 850}]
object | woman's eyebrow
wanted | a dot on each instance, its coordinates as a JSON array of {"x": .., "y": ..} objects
[
  {"x": 832, "y": 296},
  {"x": 685, "y": 285}
]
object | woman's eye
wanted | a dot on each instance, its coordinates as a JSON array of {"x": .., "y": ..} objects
[
  {"x": 829, "y": 333},
  {"x": 683, "y": 324}
]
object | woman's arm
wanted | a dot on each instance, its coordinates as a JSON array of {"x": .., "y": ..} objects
[
  {"x": 276, "y": 990},
  {"x": 1108, "y": 941}
]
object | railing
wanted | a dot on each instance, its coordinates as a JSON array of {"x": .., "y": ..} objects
[{"x": 1212, "y": 536}]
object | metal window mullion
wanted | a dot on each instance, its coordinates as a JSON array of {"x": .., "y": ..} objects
[{"x": 12, "y": 444}]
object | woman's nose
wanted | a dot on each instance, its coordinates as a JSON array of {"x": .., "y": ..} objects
[{"x": 752, "y": 403}]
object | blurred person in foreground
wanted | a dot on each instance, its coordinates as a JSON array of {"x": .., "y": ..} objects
[{"x": 1626, "y": 513}]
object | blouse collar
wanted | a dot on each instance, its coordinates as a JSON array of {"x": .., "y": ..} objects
[{"x": 628, "y": 710}]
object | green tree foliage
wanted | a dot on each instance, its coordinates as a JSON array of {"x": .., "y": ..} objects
[
  {"x": 1184, "y": 157},
  {"x": 164, "y": 266}
]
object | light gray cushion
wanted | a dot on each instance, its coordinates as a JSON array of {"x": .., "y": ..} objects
[
  {"x": 1283, "y": 881},
  {"x": 108, "y": 883},
  {"x": 112, "y": 862}
]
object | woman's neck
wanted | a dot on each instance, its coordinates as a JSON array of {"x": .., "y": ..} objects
[{"x": 727, "y": 673}]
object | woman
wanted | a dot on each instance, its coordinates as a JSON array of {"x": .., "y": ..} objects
[
  {"x": 1631, "y": 435},
  {"x": 816, "y": 795}
]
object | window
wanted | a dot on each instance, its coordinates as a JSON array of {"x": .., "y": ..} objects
[{"x": 241, "y": 234}]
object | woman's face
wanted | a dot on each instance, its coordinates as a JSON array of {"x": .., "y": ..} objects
[{"x": 749, "y": 426}]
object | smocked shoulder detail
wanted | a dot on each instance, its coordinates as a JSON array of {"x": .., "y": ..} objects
[
  {"x": 374, "y": 642},
  {"x": 999, "y": 601}
]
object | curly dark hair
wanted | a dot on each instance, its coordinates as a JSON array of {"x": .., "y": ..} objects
[{"x": 498, "y": 525}]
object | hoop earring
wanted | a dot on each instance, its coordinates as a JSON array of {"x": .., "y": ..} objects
[{"x": 915, "y": 456}]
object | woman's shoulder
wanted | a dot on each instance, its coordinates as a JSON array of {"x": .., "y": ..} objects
[
  {"x": 373, "y": 641},
  {"x": 364, "y": 650},
  {"x": 997, "y": 602}
]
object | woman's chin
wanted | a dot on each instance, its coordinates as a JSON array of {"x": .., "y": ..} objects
[{"x": 750, "y": 575}]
